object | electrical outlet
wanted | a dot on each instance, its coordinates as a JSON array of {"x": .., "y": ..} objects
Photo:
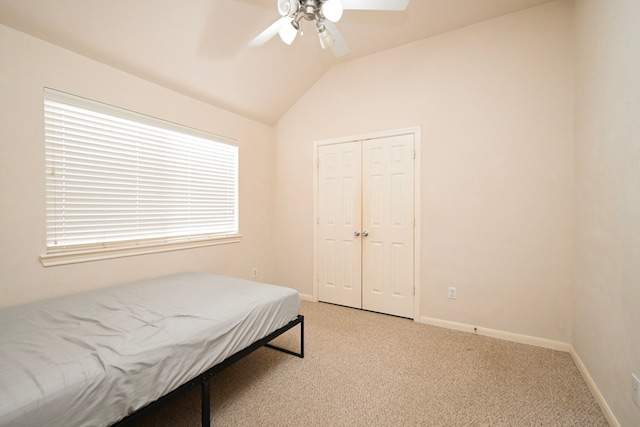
[
  {"x": 452, "y": 292},
  {"x": 254, "y": 272},
  {"x": 635, "y": 388}
]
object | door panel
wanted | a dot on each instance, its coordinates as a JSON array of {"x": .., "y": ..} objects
[
  {"x": 339, "y": 216},
  {"x": 367, "y": 186},
  {"x": 387, "y": 217}
]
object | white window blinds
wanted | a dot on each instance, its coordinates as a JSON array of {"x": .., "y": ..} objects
[{"x": 117, "y": 178}]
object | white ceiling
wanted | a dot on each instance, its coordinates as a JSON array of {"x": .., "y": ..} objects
[{"x": 199, "y": 47}]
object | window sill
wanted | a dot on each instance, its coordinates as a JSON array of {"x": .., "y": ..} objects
[{"x": 73, "y": 257}]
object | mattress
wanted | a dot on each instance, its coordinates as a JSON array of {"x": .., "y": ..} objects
[{"x": 93, "y": 358}]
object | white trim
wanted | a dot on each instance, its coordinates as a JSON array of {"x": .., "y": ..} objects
[
  {"x": 417, "y": 143},
  {"x": 316, "y": 171},
  {"x": 417, "y": 167},
  {"x": 494, "y": 333},
  {"x": 63, "y": 258},
  {"x": 307, "y": 297},
  {"x": 538, "y": 342},
  {"x": 606, "y": 410}
]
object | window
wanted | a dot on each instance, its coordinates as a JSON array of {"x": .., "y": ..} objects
[{"x": 121, "y": 183}]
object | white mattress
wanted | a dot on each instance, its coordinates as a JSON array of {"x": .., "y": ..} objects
[{"x": 91, "y": 359}]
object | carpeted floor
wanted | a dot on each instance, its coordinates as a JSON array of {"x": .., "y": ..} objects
[{"x": 368, "y": 369}]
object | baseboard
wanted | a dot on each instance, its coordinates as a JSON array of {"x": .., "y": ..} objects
[
  {"x": 538, "y": 342},
  {"x": 606, "y": 410},
  {"x": 305, "y": 297},
  {"x": 494, "y": 333}
]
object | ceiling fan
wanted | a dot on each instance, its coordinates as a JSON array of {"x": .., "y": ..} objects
[{"x": 325, "y": 13}]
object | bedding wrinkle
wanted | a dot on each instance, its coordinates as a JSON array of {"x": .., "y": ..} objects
[
  {"x": 73, "y": 366},
  {"x": 91, "y": 359}
]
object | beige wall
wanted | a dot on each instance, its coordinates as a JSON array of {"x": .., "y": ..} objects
[
  {"x": 494, "y": 102},
  {"x": 606, "y": 296},
  {"x": 28, "y": 65}
]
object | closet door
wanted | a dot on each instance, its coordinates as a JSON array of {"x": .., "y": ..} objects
[
  {"x": 339, "y": 217},
  {"x": 366, "y": 224},
  {"x": 388, "y": 225}
]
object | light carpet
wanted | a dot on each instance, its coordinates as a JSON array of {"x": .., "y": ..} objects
[{"x": 368, "y": 369}]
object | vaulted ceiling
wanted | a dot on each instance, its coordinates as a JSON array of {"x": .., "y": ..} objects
[{"x": 200, "y": 47}]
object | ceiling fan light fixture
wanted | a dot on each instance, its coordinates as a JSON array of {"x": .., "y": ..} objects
[
  {"x": 326, "y": 39},
  {"x": 332, "y": 10},
  {"x": 288, "y": 32},
  {"x": 288, "y": 7}
]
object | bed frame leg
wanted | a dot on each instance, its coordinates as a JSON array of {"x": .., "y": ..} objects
[
  {"x": 299, "y": 321},
  {"x": 302, "y": 338},
  {"x": 206, "y": 402},
  {"x": 205, "y": 378}
]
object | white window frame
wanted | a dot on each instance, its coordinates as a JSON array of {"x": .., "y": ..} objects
[{"x": 71, "y": 244}]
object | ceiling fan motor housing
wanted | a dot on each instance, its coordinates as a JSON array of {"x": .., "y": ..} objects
[
  {"x": 307, "y": 9},
  {"x": 311, "y": 9}
]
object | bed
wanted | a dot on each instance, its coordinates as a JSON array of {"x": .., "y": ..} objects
[{"x": 101, "y": 358}]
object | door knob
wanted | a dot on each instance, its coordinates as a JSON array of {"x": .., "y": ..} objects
[
  {"x": 356, "y": 233},
  {"x": 365, "y": 233}
]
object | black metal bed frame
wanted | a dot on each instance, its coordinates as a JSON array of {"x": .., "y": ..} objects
[{"x": 204, "y": 379}]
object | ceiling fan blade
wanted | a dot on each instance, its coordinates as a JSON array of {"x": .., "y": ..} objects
[
  {"x": 269, "y": 32},
  {"x": 340, "y": 46},
  {"x": 398, "y": 5}
]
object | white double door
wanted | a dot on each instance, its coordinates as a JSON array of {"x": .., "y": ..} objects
[{"x": 366, "y": 224}]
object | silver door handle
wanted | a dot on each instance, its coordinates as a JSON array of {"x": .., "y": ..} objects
[
  {"x": 356, "y": 233},
  {"x": 365, "y": 233}
]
